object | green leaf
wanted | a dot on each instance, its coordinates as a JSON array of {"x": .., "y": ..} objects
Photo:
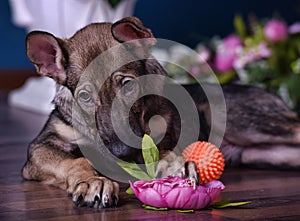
[
  {"x": 129, "y": 191},
  {"x": 185, "y": 211},
  {"x": 150, "y": 155},
  {"x": 154, "y": 208},
  {"x": 228, "y": 203},
  {"x": 295, "y": 66},
  {"x": 134, "y": 170},
  {"x": 292, "y": 83},
  {"x": 235, "y": 204},
  {"x": 240, "y": 26},
  {"x": 226, "y": 77}
]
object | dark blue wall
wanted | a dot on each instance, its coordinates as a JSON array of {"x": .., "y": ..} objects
[
  {"x": 184, "y": 21},
  {"x": 12, "y": 46},
  {"x": 188, "y": 21}
]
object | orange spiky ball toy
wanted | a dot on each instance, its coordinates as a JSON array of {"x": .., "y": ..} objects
[{"x": 208, "y": 159}]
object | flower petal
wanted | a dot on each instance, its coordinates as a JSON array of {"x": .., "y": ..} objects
[
  {"x": 178, "y": 197},
  {"x": 214, "y": 189},
  {"x": 161, "y": 188},
  {"x": 176, "y": 193},
  {"x": 198, "y": 200},
  {"x": 134, "y": 188},
  {"x": 152, "y": 198}
]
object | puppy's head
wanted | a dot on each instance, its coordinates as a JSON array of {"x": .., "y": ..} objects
[{"x": 93, "y": 88}]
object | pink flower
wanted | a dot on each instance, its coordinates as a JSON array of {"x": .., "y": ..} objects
[
  {"x": 263, "y": 51},
  {"x": 249, "y": 55},
  {"x": 203, "y": 55},
  {"x": 194, "y": 70},
  {"x": 176, "y": 193},
  {"x": 226, "y": 53},
  {"x": 276, "y": 30},
  {"x": 294, "y": 28}
]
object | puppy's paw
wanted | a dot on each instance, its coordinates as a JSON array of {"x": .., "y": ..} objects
[
  {"x": 97, "y": 192},
  {"x": 170, "y": 165},
  {"x": 174, "y": 165}
]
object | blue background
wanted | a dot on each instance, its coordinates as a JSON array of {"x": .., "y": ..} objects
[{"x": 184, "y": 21}]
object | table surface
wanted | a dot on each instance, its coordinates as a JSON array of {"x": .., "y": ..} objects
[{"x": 275, "y": 195}]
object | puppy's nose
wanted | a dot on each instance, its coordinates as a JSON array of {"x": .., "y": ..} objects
[{"x": 123, "y": 152}]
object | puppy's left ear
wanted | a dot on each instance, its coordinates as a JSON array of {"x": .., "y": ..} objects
[{"x": 131, "y": 28}]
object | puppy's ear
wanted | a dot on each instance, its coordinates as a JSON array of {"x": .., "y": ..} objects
[
  {"x": 45, "y": 52},
  {"x": 131, "y": 28}
]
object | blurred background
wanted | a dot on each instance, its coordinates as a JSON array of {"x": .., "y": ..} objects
[{"x": 188, "y": 22}]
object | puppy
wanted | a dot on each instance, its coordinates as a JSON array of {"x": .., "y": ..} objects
[{"x": 260, "y": 129}]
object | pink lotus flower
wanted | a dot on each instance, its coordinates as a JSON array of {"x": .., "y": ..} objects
[
  {"x": 176, "y": 193},
  {"x": 226, "y": 53},
  {"x": 276, "y": 30}
]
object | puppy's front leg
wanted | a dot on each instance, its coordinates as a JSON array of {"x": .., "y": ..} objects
[{"x": 76, "y": 175}]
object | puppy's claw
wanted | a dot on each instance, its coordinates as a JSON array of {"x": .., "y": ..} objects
[
  {"x": 93, "y": 203},
  {"x": 79, "y": 200},
  {"x": 97, "y": 192},
  {"x": 191, "y": 172},
  {"x": 170, "y": 165},
  {"x": 115, "y": 201},
  {"x": 194, "y": 183},
  {"x": 97, "y": 198},
  {"x": 106, "y": 201}
]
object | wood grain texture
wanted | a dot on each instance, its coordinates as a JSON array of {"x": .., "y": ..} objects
[{"x": 275, "y": 195}]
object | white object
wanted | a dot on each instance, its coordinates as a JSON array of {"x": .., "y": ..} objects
[
  {"x": 62, "y": 18},
  {"x": 27, "y": 98}
]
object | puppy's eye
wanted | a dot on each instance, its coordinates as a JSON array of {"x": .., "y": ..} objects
[
  {"x": 84, "y": 96},
  {"x": 128, "y": 86}
]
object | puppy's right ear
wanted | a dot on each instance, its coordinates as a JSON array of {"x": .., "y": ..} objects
[
  {"x": 131, "y": 28},
  {"x": 45, "y": 52}
]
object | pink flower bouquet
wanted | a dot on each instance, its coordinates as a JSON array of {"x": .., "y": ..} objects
[
  {"x": 176, "y": 193},
  {"x": 263, "y": 53}
]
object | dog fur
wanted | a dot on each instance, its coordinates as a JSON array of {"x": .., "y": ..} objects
[{"x": 260, "y": 129}]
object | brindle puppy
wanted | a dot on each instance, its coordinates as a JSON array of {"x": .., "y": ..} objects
[{"x": 260, "y": 128}]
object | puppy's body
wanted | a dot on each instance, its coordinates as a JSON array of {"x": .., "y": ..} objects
[
  {"x": 259, "y": 126},
  {"x": 256, "y": 120}
]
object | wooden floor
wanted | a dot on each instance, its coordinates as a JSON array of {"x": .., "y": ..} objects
[{"x": 275, "y": 194}]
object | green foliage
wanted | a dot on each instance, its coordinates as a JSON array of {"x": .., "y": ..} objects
[
  {"x": 226, "y": 77},
  {"x": 219, "y": 205},
  {"x": 129, "y": 191},
  {"x": 185, "y": 211},
  {"x": 154, "y": 208},
  {"x": 293, "y": 84},
  {"x": 134, "y": 170},
  {"x": 280, "y": 69},
  {"x": 151, "y": 157},
  {"x": 240, "y": 26},
  {"x": 228, "y": 203}
]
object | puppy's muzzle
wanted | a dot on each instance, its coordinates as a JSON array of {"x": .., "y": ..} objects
[{"x": 122, "y": 151}]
